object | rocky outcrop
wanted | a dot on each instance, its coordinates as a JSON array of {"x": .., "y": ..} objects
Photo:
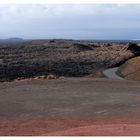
[
  {"x": 81, "y": 47},
  {"x": 43, "y": 77},
  {"x": 134, "y": 48}
]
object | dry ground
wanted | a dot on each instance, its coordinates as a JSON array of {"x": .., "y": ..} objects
[{"x": 70, "y": 106}]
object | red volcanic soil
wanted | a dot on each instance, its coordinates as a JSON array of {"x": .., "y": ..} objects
[
  {"x": 70, "y": 107},
  {"x": 70, "y": 127}
]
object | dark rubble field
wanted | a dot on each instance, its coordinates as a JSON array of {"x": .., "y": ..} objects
[{"x": 60, "y": 57}]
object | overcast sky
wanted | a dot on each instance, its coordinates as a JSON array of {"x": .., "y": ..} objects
[{"x": 91, "y": 21}]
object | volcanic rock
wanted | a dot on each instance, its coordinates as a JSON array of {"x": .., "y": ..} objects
[
  {"x": 81, "y": 47},
  {"x": 134, "y": 48}
]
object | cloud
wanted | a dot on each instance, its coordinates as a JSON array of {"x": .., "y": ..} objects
[
  {"x": 63, "y": 10},
  {"x": 69, "y": 20}
]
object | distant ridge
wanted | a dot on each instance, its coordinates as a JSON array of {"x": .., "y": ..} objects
[{"x": 12, "y": 40}]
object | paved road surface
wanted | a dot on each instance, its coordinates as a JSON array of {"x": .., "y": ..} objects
[{"x": 111, "y": 74}]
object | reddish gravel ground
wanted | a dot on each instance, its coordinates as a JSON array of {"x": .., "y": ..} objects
[
  {"x": 70, "y": 107},
  {"x": 70, "y": 127}
]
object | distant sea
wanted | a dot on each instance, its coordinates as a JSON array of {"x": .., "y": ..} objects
[{"x": 113, "y": 41}]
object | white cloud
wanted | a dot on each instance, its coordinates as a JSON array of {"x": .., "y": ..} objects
[
  {"x": 38, "y": 20},
  {"x": 68, "y": 10}
]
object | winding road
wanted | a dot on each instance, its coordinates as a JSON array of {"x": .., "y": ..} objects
[{"x": 111, "y": 73}]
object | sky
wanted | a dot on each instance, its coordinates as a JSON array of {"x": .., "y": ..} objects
[{"x": 70, "y": 21}]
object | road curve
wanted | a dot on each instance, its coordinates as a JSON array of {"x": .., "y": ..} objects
[{"x": 111, "y": 73}]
